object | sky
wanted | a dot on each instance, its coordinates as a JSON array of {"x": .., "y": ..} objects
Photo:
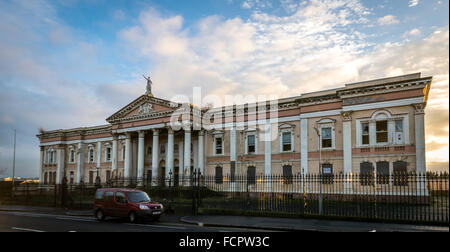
[{"x": 72, "y": 63}]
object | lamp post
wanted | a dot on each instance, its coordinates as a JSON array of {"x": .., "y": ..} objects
[{"x": 320, "y": 172}]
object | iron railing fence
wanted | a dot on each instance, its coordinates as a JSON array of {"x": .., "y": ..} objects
[{"x": 415, "y": 198}]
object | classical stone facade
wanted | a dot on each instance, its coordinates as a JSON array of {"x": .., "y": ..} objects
[{"x": 367, "y": 126}]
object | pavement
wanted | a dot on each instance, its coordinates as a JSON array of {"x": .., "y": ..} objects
[
  {"x": 311, "y": 225},
  {"x": 261, "y": 223}
]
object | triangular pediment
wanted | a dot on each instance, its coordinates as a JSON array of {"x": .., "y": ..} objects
[{"x": 144, "y": 107}]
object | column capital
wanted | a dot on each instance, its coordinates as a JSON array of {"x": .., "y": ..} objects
[
  {"x": 155, "y": 132},
  {"x": 141, "y": 134},
  {"x": 347, "y": 115},
  {"x": 128, "y": 135},
  {"x": 201, "y": 132},
  {"x": 115, "y": 136},
  {"x": 419, "y": 108},
  {"x": 170, "y": 130}
]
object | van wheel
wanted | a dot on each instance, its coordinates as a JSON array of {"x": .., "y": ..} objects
[
  {"x": 132, "y": 217},
  {"x": 99, "y": 215}
]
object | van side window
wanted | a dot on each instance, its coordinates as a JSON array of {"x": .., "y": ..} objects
[
  {"x": 99, "y": 195},
  {"x": 120, "y": 197},
  {"x": 109, "y": 196}
]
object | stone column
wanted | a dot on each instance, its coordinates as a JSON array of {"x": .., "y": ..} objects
[
  {"x": 233, "y": 157},
  {"x": 347, "y": 141},
  {"x": 41, "y": 164},
  {"x": 114, "y": 154},
  {"x": 155, "y": 158},
  {"x": 60, "y": 165},
  {"x": 181, "y": 162},
  {"x": 419, "y": 126},
  {"x": 127, "y": 161},
  {"x": 201, "y": 158},
  {"x": 304, "y": 145},
  {"x": 187, "y": 152},
  {"x": 99, "y": 160},
  {"x": 347, "y": 149},
  {"x": 169, "y": 164},
  {"x": 80, "y": 163},
  {"x": 268, "y": 149},
  {"x": 419, "y": 123},
  {"x": 141, "y": 151}
]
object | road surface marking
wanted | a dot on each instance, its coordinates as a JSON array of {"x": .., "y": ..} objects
[
  {"x": 28, "y": 230},
  {"x": 161, "y": 226}
]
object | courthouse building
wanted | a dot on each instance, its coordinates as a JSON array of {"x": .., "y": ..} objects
[{"x": 370, "y": 126}]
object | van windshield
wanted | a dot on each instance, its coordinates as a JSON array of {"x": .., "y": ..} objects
[{"x": 137, "y": 197}]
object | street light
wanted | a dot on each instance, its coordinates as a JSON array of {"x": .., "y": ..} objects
[{"x": 320, "y": 171}]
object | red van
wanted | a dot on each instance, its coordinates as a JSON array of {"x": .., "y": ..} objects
[{"x": 125, "y": 203}]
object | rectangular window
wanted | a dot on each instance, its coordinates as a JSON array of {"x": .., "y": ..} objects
[
  {"x": 251, "y": 175},
  {"x": 123, "y": 153},
  {"x": 400, "y": 173},
  {"x": 365, "y": 133},
  {"x": 251, "y": 147},
  {"x": 383, "y": 173},
  {"x": 108, "y": 154},
  {"x": 327, "y": 174},
  {"x": 382, "y": 131},
  {"x": 287, "y": 143},
  {"x": 287, "y": 175},
  {"x": 327, "y": 141},
  {"x": 366, "y": 173},
  {"x": 219, "y": 175},
  {"x": 398, "y": 125},
  {"x": 108, "y": 176},
  {"x": 72, "y": 156},
  {"x": 91, "y": 155},
  {"x": 109, "y": 196},
  {"x": 99, "y": 195},
  {"x": 219, "y": 146}
]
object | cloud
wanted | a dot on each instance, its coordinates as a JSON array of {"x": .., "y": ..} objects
[
  {"x": 388, "y": 20},
  {"x": 413, "y": 3},
  {"x": 412, "y": 33}
]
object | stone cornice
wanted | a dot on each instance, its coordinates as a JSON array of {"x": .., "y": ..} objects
[{"x": 383, "y": 88}]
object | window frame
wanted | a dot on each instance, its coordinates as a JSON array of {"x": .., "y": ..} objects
[
  {"x": 91, "y": 149},
  {"x": 108, "y": 147},
  {"x": 71, "y": 155},
  {"x": 323, "y": 124},
  {"x": 255, "y": 135},
  {"x": 222, "y": 149},
  {"x": 382, "y": 132}
]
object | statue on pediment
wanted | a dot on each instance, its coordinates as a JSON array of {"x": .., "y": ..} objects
[{"x": 149, "y": 85}]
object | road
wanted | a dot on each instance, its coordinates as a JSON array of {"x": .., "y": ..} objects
[{"x": 40, "y": 222}]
